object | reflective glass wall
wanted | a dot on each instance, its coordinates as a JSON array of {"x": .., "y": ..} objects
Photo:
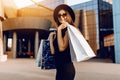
[
  {"x": 105, "y": 21},
  {"x": 106, "y": 37}
]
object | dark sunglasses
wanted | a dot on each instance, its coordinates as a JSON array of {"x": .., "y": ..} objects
[{"x": 63, "y": 15}]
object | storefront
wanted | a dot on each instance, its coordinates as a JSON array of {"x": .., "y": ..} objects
[{"x": 22, "y": 36}]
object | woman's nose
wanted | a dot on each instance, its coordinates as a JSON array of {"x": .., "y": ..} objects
[{"x": 62, "y": 18}]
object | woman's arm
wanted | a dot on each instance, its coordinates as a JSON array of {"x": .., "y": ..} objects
[
  {"x": 51, "y": 38},
  {"x": 62, "y": 41}
]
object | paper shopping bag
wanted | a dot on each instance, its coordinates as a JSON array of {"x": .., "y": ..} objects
[
  {"x": 79, "y": 48},
  {"x": 48, "y": 59},
  {"x": 39, "y": 54}
]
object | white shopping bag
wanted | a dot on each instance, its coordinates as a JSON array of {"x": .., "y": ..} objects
[
  {"x": 79, "y": 48},
  {"x": 39, "y": 54}
]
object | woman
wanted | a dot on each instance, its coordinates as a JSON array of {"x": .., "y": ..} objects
[{"x": 59, "y": 43}]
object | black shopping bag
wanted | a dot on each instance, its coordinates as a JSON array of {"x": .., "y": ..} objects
[{"x": 46, "y": 60}]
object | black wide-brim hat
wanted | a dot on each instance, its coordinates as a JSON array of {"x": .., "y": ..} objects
[{"x": 63, "y": 7}]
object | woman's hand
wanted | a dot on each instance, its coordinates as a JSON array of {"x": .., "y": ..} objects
[{"x": 63, "y": 25}]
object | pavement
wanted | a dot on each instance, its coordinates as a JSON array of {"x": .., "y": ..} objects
[{"x": 25, "y": 69}]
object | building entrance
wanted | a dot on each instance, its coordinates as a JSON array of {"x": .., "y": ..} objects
[{"x": 25, "y": 46}]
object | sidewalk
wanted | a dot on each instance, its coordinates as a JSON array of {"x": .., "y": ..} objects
[{"x": 25, "y": 69}]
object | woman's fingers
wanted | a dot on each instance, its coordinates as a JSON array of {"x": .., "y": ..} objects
[{"x": 63, "y": 25}]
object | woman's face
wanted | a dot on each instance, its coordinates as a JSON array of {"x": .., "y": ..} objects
[{"x": 64, "y": 16}]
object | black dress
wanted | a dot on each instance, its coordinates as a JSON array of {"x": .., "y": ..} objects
[{"x": 65, "y": 69}]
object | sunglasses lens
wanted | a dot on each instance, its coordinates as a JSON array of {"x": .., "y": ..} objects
[
  {"x": 59, "y": 15},
  {"x": 63, "y": 15}
]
